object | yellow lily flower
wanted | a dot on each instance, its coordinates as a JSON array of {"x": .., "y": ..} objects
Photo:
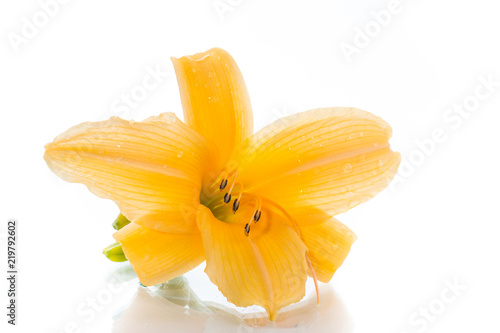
[{"x": 257, "y": 207}]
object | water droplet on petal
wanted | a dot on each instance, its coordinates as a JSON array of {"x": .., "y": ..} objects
[
  {"x": 347, "y": 167},
  {"x": 180, "y": 154}
]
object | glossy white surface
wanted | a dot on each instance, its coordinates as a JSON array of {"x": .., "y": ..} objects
[{"x": 173, "y": 309}]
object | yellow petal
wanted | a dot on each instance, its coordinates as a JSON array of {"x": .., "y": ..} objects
[
  {"x": 266, "y": 268},
  {"x": 151, "y": 168},
  {"x": 328, "y": 243},
  {"x": 158, "y": 257},
  {"x": 215, "y": 98},
  {"x": 332, "y": 159}
]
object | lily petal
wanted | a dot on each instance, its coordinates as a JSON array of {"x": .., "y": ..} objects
[
  {"x": 158, "y": 257},
  {"x": 332, "y": 159},
  {"x": 266, "y": 268},
  {"x": 151, "y": 168},
  {"x": 328, "y": 242},
  {"x": 215, "y": 98}
]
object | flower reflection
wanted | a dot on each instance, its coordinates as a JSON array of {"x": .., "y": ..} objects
[{"x": 173, "y": 307}]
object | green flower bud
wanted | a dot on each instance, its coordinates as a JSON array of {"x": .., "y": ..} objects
[
  {"x": 114, "y": 252},
  {"x": 120, "y": 222}
]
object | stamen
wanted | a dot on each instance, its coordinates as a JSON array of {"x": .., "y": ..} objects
[
  {"x": 258, "y": 209},
  {"x": 294, "y": 223},
  {"x": 236, "y": 203},
  {"x": 224, "y": 176},
  {"x": 313, "y": 273},
  {"x": 247, "y": 229},
  {"x": 227, "y": 196},
  {"x": 256, "y": 212}
]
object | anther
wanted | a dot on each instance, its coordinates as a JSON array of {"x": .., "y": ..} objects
[
  {"x": 227, "y": 196},
  {"x": 247, "y": 229},
  {"x": 223, "y": 184},
  {"x": 237, "y": 201},
  {"x": 236, "y": 205},
  {"x": 256, "y": 217}
]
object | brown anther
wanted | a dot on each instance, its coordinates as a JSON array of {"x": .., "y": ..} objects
[
  {"x": 256, "y": 217},
  {"x": 236, "y": 205},
  {"x": 227, "y": 198},
  {"x": 247, "y": 229},
  {"x": 223, "y": 184}
]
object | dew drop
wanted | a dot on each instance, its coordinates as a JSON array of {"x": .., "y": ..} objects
[
  {"x": 180, "y": 154},
  {"x": 347, "y": 167}
]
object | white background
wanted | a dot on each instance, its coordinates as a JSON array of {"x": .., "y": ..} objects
[{"x": 438, "y": 223}]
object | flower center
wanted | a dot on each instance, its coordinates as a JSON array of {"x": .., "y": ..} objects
[{"x": 219, "y": 194}]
